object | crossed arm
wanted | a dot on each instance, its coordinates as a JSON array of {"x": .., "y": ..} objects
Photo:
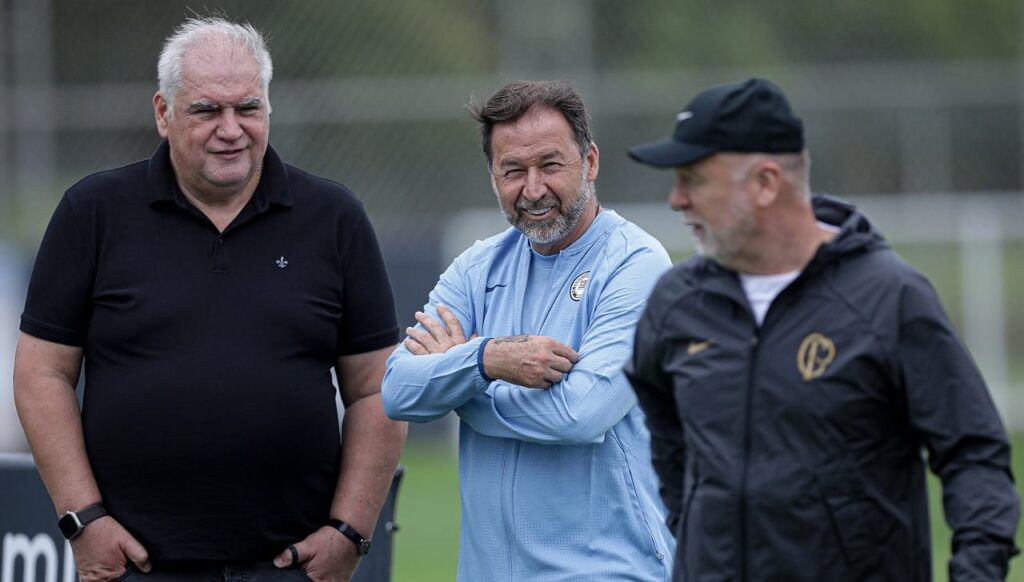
[
  {"x": 533, "y": 388},
  {"x": 532, "y": 361}
]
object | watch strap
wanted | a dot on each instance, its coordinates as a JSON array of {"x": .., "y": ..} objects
[
  {"x": 91, "y": 513},
  {"x": 362, "y": 544}
]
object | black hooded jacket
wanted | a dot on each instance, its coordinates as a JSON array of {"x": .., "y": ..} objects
[{"x": 794, "y": 450}]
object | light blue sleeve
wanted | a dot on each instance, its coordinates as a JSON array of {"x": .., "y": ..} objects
[
  {"x": 420, "y": 388},
  {"x": 595, "y": 394}
]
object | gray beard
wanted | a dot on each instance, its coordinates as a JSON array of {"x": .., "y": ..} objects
[{"x": 559, "y": 226}]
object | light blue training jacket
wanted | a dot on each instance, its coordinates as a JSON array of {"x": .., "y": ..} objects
[{"x": 556, "y": 484}]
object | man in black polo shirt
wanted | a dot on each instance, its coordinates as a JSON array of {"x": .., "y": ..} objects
[{"x": 209, "y": 291}]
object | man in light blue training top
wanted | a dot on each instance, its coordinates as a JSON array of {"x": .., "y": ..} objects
[{"x": 524, "y": 337}]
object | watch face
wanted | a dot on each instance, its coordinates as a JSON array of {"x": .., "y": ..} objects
[{"x": 69, "y": 525}]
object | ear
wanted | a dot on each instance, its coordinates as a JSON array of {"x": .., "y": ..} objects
[
  {"x": 593, "y": 161},
  {"x": 161, "y": 112},
  {"x": 767, "y": 180}
]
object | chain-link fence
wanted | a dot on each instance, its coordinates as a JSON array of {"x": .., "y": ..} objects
[{"x": 915, "y": 96}]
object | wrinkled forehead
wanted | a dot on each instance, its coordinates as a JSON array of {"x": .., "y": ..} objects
[
  {"x": 220, "y": 71},
  {"x": 537, "y": 120},
  {"x": 219, "y": 55},
  {"x": 538, "y": 133}
]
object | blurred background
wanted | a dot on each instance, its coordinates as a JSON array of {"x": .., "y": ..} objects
[{"x": 914, "y": 110}]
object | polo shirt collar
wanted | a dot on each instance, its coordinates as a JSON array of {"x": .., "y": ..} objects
[{"x": 162, "y": 185}]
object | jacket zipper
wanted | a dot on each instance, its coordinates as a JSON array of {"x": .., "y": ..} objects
[{"x": 747, "y": 438}]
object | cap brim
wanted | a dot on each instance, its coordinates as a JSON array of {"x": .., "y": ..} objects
[{"x": 669, "y": 153}]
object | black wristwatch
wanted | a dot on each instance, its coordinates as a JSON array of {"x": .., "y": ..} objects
[
  {"x": 362, "y": 544},
  {"x": 73, "y": 522}
]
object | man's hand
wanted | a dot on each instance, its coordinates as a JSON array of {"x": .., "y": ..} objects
[
  {"x": 103, "y": 549},
  {"x": 326, "y": 555},
  {"x": 438, "y": 338},
  {"x": 533, "y": 361}
]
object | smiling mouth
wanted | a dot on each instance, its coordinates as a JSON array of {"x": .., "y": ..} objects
[
  {"x": 537, "y": 212},
  {"x": 229, "y": 153}
]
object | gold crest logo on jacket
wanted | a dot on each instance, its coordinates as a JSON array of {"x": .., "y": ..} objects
[{"x": 815, "y": 354}]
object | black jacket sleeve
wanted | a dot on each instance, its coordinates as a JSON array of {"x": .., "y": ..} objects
[
  {"x": 968, "y": 448},
  {"x": 656, "y": 396}
]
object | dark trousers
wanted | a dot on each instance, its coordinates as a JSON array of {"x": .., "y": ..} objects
[{"x": 223, "y": 572}]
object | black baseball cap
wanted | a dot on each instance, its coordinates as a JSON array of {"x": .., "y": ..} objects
[{"x": 752, "y": 116}]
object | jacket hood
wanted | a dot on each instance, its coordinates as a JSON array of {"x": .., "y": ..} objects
[{"x": 856, "y": 234}]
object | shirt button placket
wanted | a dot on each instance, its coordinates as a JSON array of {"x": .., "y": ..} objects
[{"x": 220, "y": 255}]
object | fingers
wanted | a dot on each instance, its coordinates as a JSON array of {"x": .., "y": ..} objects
[
  {"x": 287, "y": 558},
  {"x": 454, "y": 325},
  {"x": 137, "y": 554},
  {"x": 561, "y": 365},
  {"x": 437, "y": 331},
  {"x": 564, "y": 357},
  {"x": 547, "y": 379},
  {"x": 553, "y": 374},
  {"x": 415, "y": 346},
  {"x": 566, "y": 352},
  {"x": 104, "y": 548},
  {"x": 437, "y": 336},
  {"x": 422, "y": 338}
]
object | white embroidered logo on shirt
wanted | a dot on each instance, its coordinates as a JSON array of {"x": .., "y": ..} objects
[
  {"x": 576, "y": 290},
  {"x": 282, "y": 263}
]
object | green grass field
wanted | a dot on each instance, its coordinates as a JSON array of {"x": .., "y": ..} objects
[{"x": 428, "y": 513}]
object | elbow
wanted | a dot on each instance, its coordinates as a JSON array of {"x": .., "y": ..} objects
[
  {"x": 395, "y": 407},
  {"x": 392, "y": 408},
  {"x": 578, "y": 434},
  {"x": 403, "y": 402},
  {"x": 395, "y": 410},
  {"x": 571, "y": 431},
  {"x": 590, "y": 424}
]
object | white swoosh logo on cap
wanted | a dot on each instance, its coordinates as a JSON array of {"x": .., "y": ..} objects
[{"x": 684, "y": 115}]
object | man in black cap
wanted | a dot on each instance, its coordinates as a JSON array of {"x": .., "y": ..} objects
[{"x": 793, "y": 371}]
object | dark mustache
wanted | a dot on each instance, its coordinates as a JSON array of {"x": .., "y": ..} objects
[{"x": 544, "y": 202}]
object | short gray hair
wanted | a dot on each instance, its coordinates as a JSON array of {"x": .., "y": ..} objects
[{"x": 194, "y": 30}]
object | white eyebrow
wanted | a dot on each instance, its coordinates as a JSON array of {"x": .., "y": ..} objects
[{"x": 210, "y": 105}]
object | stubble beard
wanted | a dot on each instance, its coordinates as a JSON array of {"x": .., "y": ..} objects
[
  {"x": 558, "y": 226},
  {"x": 726, "y": 244}
]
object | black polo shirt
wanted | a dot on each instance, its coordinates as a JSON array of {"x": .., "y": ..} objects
[{"x": 209, "y": 413}]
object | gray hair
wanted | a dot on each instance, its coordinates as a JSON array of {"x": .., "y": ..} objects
[
  {"x": 798, "y": 170},
  {"x": 195, "y": 30},
  {"x": 795, "y": 167}
]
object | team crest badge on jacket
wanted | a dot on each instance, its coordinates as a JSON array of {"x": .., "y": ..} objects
[
  {"x": 815, "y": 354},
  {"x": 578, "y": 286}
]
